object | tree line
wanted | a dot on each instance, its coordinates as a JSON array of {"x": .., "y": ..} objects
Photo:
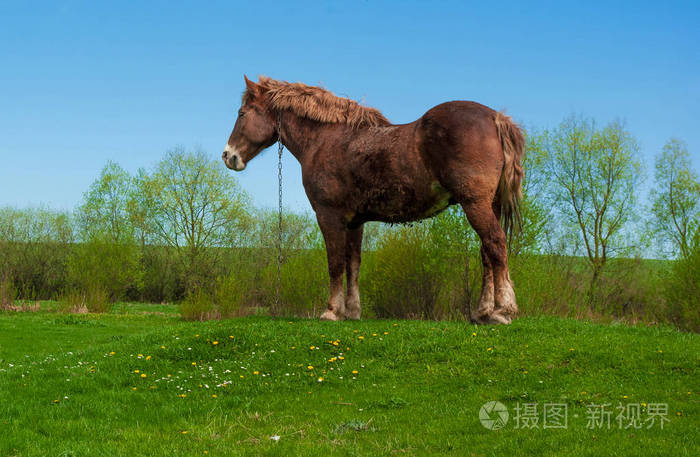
[{"x": 184, "y": 230}]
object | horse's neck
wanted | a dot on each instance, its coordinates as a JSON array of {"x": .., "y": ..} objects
[{"x": 301, "y": 136}]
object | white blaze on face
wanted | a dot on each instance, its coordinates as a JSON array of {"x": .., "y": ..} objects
[{"x": 234, "y": 158}]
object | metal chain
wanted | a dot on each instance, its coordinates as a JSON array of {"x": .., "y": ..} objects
[{"x": 280, "y": 147}]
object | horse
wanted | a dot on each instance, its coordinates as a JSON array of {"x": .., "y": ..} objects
[{"x": 357, "y": 167}]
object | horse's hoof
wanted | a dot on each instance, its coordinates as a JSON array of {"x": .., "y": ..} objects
[
  {"x": 499, "y": 319},
  {"x": 329, "y": 315}
]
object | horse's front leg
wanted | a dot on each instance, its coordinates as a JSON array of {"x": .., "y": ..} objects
[
  {"x": 335, "y": 235},
  {"x": 353, "y": 254}
]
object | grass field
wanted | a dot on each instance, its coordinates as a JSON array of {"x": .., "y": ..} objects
[{"x": 131, "y": 383}]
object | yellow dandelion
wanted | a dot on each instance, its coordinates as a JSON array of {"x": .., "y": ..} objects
[
  {"x": 396, "y": 325},
  {"x": 214, "y": 343},
  {"x": 111, "y": 353},
  {"x": 230, "y": 336},
  {"x": 56, "y": 401},
  {"x": 355, "y": 371},
  {"x": 133, "y": 388},
  {"x": 321, "y": 380},
  {"x": 335, "y": 343},
  {"x": 310, "y": 367},
  {"x": 341, "y": 357},
  {"x": 624, "y": 396},
  {"x": 137, "y": 371},
  {"x": 148, "y": 357},
  {"x": 374, "y": 334},
  {"x": 184, "y": 432},
  {"x": 644, "y": 404},
  {"x": 386, "y": 333},
  {"x": 182, "y": 395},
  {"x": 312, "y": 347},
  {"x": 293, "y": 347},
  {"x": 143, "y": 375},
  {"x": 473, "y": 333},
  {"x": 488, "y": 349},
  {"x": 213, "y": 396},
  {"x": 140, "y": 355},
  {"x": 196, "y": 335},
  {"x": 256, "y": 372},
  {"x": 361, "y": 337},
  {"x": 194, "y": 364},
  {"x": 241, "y": 376},
  {"x": 162, "y": 347}
]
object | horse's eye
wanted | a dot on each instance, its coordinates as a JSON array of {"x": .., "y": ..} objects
[{"x": 241, "y": 113}]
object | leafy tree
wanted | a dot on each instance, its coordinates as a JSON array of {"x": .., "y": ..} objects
[
  {"x": 595, "y": 174},
  {"x": 34, "y": 245},
  {"x": 675, "y": 199},
  {"x": 105, "y": 209},
  {"x": 195, "y": 206},
  {"x": 108, "y": 258}
]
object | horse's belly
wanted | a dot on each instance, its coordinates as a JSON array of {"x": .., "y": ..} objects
[{"x": 403, "y": 203}]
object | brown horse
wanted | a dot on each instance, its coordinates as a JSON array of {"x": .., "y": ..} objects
[{"x": 357, "y": 167}]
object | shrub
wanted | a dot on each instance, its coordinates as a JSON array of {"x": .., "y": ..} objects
[
  {"x": 417, "y": 273},
  {"x": 94, "y": 299},
  {"x": 683, "y": 289},
  {"x": 8, "y": 294},
  {"x": 107, "y": 267},
  {"x": 304, "y": 283}
]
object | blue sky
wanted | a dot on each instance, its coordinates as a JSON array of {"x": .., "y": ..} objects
[{"x": 82, "y": 83}]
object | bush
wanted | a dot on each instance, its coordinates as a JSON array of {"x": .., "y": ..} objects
[
  {"x": 112, "y": 268},
  {"x": 94, "y": 299},
  {"x": 8, "y": 294},
  {"x": 304, "y": 283},
  {"x": 230, "y": 297},
  {"x": 418, "y": 272},
  {"x": 683, "y": 289}
]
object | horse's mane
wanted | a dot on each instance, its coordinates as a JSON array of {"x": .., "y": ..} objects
[{"x": 318, "y": 104}]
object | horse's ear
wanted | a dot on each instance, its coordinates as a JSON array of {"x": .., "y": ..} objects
[{"x": 253, "y": 88}]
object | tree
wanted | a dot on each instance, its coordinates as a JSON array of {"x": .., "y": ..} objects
[
  {"x": 595, "y": 174},
  {"x": 105, "y": 208},
  {"x": 108, "y": 258},
  {"x": 675, "y": 199},
  {"x": 195, "y": 206},
  {"x": 34, "y": 245}
]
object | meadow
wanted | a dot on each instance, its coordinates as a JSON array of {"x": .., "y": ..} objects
[{"x": 141, "y": 381}]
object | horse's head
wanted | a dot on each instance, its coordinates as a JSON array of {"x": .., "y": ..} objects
[{"x": 255, "y": 128}]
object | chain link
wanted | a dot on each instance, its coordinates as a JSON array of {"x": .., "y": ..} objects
[{"x": 280, "y": 147}]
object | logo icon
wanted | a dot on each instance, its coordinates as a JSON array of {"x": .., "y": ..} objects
[{"x": 493, "y": 415}]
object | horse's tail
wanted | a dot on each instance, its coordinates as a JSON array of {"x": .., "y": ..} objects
[{"x": 509, "y": 191}]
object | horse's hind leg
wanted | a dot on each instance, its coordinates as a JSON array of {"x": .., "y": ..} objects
[
  {"x": 486, "y": 299},
  {"x": 353, "y": 253},
  {"x": 497, "y": 301}
]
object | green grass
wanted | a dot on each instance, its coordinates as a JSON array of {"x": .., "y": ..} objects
[{"x": 417, "y": 391}]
